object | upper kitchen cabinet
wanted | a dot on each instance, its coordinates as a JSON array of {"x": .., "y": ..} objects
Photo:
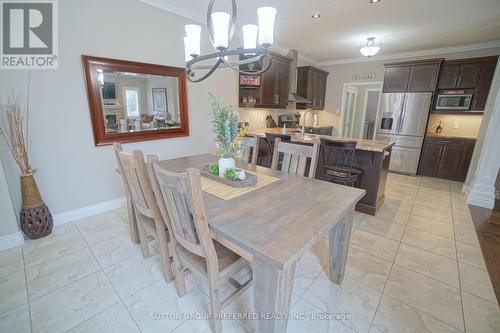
[
  {"x": 417, "y": 76},
  {"x": 473, "y": 75},
  {"x": 311, "y": 84},
  {"x": 270, "y": 89}
]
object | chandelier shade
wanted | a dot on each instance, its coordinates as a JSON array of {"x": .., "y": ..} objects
[
  {"x": 221, "y": 27},
  {"x": 370, "y": 49}
]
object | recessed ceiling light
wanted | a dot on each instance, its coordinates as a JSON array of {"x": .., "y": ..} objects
[
  {"x": 374, "y": 1},
  {"x": 316, "y": 16}
]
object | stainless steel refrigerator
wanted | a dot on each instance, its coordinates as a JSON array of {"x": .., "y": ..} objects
[{"x": 403, "y": 119}]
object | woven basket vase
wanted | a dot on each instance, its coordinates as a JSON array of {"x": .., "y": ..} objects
[{"x": 36, "y": 220}]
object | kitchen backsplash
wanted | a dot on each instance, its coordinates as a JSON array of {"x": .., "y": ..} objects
[
  {"x": 456, "y": 125},
  {"x": 257, "y": 117}
]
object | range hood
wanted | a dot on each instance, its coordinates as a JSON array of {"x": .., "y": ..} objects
[{"x": 293, "y": 96}]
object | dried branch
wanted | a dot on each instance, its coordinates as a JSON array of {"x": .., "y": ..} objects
[{"x": 12, "y": 130}]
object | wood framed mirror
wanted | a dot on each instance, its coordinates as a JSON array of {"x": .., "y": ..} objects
[{"x": 133, "y": 101}]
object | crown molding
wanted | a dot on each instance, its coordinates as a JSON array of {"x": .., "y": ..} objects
[
  {"x": 200, "y": 17},
  {"x": 422, "y": 53}
]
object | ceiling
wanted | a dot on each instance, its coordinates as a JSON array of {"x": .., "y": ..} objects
[{"x": 402, "y": 26}]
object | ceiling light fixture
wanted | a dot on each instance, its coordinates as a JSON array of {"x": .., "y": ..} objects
[
  {"x": 221, "y": 28},
  {"x": 316, "y": 16},
  {"x": 374, "y": 1},
  {"x": 370, "y": 49}
]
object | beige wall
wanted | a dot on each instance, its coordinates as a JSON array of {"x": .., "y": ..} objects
[
  {"x": 8, "y": 219},
  {"x": 72, "y": 172}
]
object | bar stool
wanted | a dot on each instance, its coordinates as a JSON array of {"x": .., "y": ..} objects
[
  {"x": 270, "y": 138},
  {"x": 338, "y": 157}
]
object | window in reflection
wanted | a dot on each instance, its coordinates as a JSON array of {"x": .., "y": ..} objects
[{"x": 135, "y": 102}]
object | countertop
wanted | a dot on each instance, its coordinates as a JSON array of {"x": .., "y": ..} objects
[
  {"x": 362, "y": 144},
  {"x": 449, "y": 136}
]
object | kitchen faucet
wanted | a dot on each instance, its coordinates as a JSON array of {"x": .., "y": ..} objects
[{"x": 303, "y": 130}]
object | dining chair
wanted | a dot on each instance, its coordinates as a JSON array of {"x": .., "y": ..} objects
[
  {"x": 270, "y": 139},
  {"x": 147, "y": 213},
  {"x": 338, "y": 159},
  {"x": 193, "y": 246},
  {"x": 132, "y": 222},
  {"x": 249, "y": 149},
  {"x": 295, "y": 157}
]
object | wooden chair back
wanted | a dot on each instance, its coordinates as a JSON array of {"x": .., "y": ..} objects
[
  {"x": 295, "y": 157},
  {"x": 135, "y": 172},
  {"x": 183, "y": 199},
  {"x": 249, "y": 149}
]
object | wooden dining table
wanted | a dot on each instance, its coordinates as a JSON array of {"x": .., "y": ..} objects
[{"x": 274, "y": 226}]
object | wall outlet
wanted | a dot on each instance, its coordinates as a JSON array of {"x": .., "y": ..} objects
[{"x": 456, "y": 125}]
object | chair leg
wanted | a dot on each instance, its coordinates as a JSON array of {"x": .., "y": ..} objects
[
  {"x": 215, "y": 319},
  {"x": 132, "y": 221},
  {"x": 180, "y": 278},
  {"x": 142, "y": 237},
  {"x": 164, "y": 252}
]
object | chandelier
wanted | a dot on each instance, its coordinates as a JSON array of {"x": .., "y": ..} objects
[
  {"x": 221, "y": 27},
  {"x": 370, "y": 49}
]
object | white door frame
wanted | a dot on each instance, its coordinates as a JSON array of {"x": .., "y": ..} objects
[
  {"x": 365, "y": 108},
  {"x": 343, "y": 104}
]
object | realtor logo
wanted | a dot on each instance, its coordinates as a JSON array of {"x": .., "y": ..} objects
[{"x": 29, "y": 34}]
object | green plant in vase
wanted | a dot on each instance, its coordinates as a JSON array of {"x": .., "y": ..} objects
[{"x": 225, "y": 127}]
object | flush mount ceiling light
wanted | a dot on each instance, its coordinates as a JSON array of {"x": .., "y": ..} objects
[
  {"x": 316, "y": 16},
  {"x": 221, "y": 28},
  {"x": 374, "y": 1},
  {"x": 370, "y": 49}
]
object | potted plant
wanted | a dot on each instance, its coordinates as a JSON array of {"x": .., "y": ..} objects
[
  {"x": 225, "y": 127},
  {"x": 36, "y": 220}
]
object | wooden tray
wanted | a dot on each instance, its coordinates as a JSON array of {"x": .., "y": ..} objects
[{"x": 250, "y": 180}]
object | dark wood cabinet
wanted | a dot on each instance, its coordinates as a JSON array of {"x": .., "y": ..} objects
[
  {"x": 448, "y": 76},
  {"x": 468, "y": 75},
  {"x": 446, "y": 158},
  {"x": 311, "y": 84},
  {"x": 274, "y": 86},
  {"x": 483, "y": 85},
  {"x": 416, "y": 76}
]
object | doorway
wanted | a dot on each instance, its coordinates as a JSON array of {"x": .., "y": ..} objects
[{"x": 359, "y": 110}]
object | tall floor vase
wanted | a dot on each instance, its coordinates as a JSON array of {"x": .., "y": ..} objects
[{"x": 36, "y": 219}]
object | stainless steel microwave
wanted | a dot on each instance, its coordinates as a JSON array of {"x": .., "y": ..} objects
[{"x": 454, "y": 102}]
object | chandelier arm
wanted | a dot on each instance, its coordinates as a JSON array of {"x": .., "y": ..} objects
[
  {"x": 232, "y": 22},
  {"x": 264, "y": 69},
  {"x": 257, "y": 52},
  {"x": 210, "y": 72}
]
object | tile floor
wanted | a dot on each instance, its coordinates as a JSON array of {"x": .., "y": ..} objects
[{"x": 415, "y": 267}]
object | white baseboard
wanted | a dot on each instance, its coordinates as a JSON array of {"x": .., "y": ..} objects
[
  {"x": 482, "y": 196},
  {"x": 16, "y": 239},
  {"x": 91, "y": 210},
  {"x": 12, "y": 240}
]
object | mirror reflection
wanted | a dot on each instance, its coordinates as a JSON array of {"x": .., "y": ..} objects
[{"x": 135, "y": 102}]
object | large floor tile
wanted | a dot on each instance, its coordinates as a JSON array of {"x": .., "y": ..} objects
[
  {"x": 395, "y": 317},
  {"x": 376, "y": 245},
  {"x": 463, "y": 220},
  {"x": 470, "y": 255},
  {"x": 12, "y": 291},
  {"x": 131, "y": 275},
  {"x": 157, "y": 308},
  {"x": 432, "y": 265},
  {"x": 367, "y": 269},
  {"x": 395, "y": 210},
  {"x": 16, "y": 320},
  {"x": 202, "y": 325},
  {"x": 435, "y": 184},
  {"x": 355, "y": 302},
  {"x": 46, "y": 277},
  {"x": 358, "y": 217},
  {"x": 116, "y": 319},
  {"x": 306, "y": 272},
  {"x": 430, "y": 242},
  {"x": 100, "y": 229},
  {"x": 476, "y": 281},
  {"x": 466, "y": 236},
  {"x": 433, "y": 226},
  {"x": 480, "y": 316},
  {"x": 427, "y": 295},
  {"x": 308, "y": 318},
  {"x": 116, "y": 249},
  {"x": 382, "y": 227},
  {"x": 63, "y": 240},
  {"x": 69, "y": 306},
  {"x": 11, "y": 261},
  {"x": 432, "y": 213}
]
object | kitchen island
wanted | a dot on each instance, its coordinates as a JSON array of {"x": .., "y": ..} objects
[{"x": 372, "y": 157}]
